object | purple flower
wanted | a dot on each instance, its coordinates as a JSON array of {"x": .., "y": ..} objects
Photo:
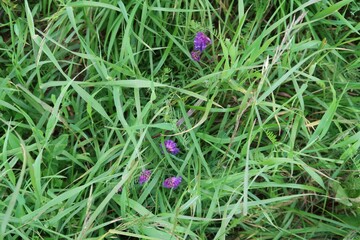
[
  {"x": 201, "y": 41},
  {"x": 171, "y": 147},
  {"x": 144, "y": 177},
  {"x": 172, "y": 182},
  {"x": 196, "y": 55}
]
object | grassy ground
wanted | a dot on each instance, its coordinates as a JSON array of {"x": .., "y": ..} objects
[{"x": 267, "y": 123}]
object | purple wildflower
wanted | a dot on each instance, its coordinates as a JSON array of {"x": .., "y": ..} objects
[
  {"x": 201, "y": 41},
  {"x": 196, "y": 55},
  {"x": 172, "y": 182},
  {"x": 171, "y": 147},
  {"x": 144, "y": 177}
]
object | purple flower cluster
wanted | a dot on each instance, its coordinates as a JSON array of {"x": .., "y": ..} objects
[
  {"x": 201, "y": 41},
  {"x": 171, "y": 147},
  {"x": 172, "y": 182},
  {"x": 144, "y": 177},
  {"x": 196, "y": 55}
]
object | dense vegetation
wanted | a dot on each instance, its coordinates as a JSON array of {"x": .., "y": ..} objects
[{"x": 267, "y": 123}]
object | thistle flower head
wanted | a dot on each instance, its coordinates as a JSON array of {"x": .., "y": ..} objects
[
  {"x": 171, "y": 147},
  {"x": 201, "y": 41},
  {"x": 172, "y": 182},
  {"x": 144, "y": 177}
]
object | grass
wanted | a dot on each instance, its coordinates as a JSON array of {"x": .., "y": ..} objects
[{"x": 268, "y": 122}]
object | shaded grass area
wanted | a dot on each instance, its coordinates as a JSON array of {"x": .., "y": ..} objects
[{"x": 267, "y": 122}]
